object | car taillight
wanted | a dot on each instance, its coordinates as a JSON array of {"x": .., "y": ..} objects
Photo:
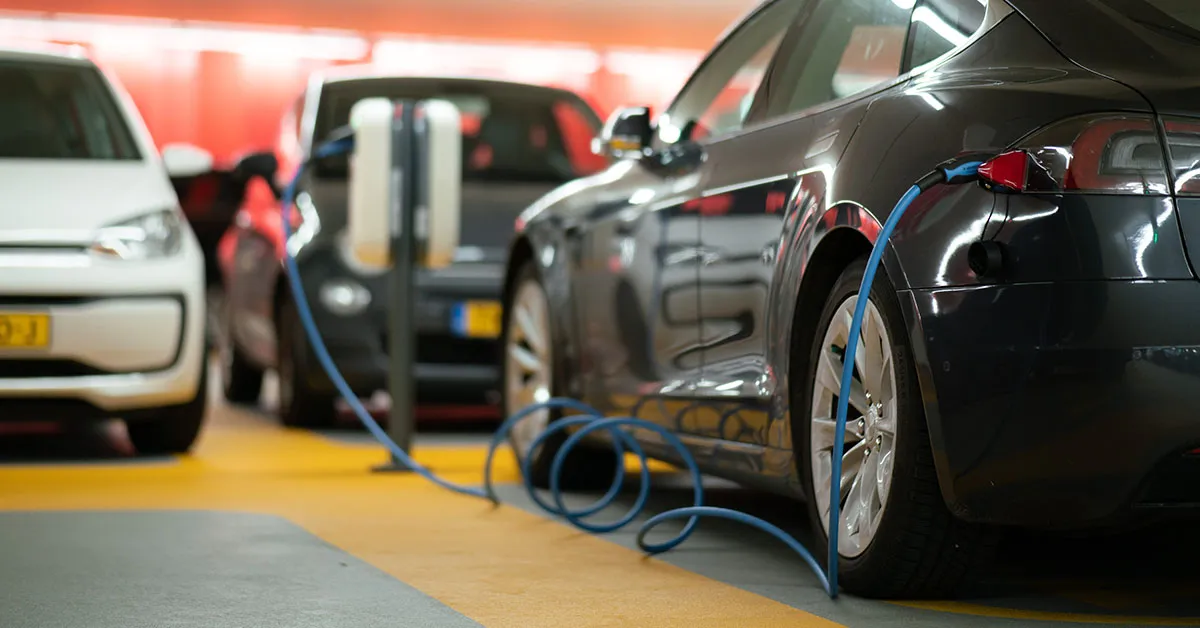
[
  {"x": 1183, "y": 143},
  {"x": 1097, "y": 154}
]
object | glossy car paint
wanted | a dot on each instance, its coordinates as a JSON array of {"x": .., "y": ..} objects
[{"x": 1054, "y": 393}]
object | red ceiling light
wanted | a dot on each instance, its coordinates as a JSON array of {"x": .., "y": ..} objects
[{"x": 1007, "y": 172}]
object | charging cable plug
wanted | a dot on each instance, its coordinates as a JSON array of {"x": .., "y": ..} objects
[{"x": 963, "y": 168}]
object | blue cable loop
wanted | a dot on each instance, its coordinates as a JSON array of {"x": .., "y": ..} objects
[{"x": 592, "y": 420}]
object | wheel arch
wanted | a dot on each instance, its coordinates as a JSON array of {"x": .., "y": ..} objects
[
  {"x": 520, "y": 252},
  {"x": 833, "y": 252},
  {"x": 532, "y": 246}
]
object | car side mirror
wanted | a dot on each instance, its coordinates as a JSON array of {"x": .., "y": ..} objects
[
  {"x": 261, "y": 164},
  {"x": 627, "y": 133},
  {"x": 186, "y": 160}
]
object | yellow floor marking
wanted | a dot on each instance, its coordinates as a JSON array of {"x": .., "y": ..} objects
[
  {"x": 500, "y": 567},
  {"x": 978, "y": 610}
]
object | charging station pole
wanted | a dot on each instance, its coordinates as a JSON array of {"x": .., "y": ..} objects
[
  {"x": 403, "y": 215},
  {"x": 401, "y": 311}
]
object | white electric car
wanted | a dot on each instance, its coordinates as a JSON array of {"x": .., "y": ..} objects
[{"x": 102, "y": 311}]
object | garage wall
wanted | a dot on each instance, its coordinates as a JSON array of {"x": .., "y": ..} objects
[{"x": 223, "y": 85}]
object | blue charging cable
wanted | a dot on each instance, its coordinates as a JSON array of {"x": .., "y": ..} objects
[
  {"x": 959, "y": 170},
  {"x": 591, "y": 420}
]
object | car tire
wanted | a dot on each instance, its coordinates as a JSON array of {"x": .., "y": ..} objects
[
  {"x": 213, "y": 298},
  {"x": 915, "y": 548},
  {"x": 174, "y": 429},
  {"x": 299, "y": 404},
  {"x": 241, "y": 380},
  {"x": 529, "y": 333}
]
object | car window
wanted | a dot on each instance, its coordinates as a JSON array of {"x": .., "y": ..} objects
[
  {"x": 939, "y": 26},
  {"x": 844, "y": 48},
  {"x": 720, "y": 94},
  {"x": 514, "y": 134},
  {"x": 57, "y": 111}
]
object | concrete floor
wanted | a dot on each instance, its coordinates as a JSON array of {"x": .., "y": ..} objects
[{"x": 266, "y": 527}]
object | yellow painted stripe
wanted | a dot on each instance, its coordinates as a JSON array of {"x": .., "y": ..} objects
[
  {"x": 500, "y": 567},
  {"x": 962, "y": 608}
]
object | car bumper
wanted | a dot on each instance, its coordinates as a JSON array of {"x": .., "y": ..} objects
[
  {"x": 124, "y": 336},
  {"x": 452, "y": 367},
  {"x": 1062, "y": 405}
]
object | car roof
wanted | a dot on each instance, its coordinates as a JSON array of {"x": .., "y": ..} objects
[{"x": 46, "y": 53}]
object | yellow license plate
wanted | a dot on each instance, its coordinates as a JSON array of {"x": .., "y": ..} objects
[
  {"x": 24, "y": 331},
  {"x": 477, "y": 319}
]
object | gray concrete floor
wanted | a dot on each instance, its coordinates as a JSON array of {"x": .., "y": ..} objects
[{"x": 210, "y": 569}]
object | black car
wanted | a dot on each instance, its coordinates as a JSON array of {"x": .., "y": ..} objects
[
  {"x": 706, "y": 280},
  {"x": 519, "y": 141},
  {"x": 209, "y": 201}
]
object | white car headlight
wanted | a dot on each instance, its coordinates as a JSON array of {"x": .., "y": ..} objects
[{"x": 150, "y": 236}]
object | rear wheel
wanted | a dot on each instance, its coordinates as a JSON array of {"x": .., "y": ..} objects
[
  {"x": 171, "y": 430},
  {"x": 241, "y": 381},
  {"x": 531, "y": 375},
  {"x": 299, "y": 404},
  {"x": 897, "y": 539}
]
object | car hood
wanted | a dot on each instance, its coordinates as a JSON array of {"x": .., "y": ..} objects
[{"x": 66, "y": 201}]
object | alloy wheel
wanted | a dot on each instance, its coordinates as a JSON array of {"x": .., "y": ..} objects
[
  {"x": 868, "y": 454},
  {"x": 529, "y": 365}
]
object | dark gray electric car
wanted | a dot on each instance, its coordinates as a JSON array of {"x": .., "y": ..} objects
[
  {"x": 1027, "y": 359},
  {"x": 519, "y": 141}
]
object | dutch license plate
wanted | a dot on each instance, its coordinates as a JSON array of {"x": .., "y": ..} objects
[
  {"x": 476, "y": 319},
  {"x": 24, "y": 331}
]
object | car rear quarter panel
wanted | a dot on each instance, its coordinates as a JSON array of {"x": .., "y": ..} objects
[{"x": 1009, "y": 83}]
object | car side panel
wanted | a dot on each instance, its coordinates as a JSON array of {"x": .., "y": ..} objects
[
  {"x": 779, "y": 207},
  {"x": 251, "y": 269},
  {"x": 1008, "y": 84},
  {"x": 634, "y": 277}
]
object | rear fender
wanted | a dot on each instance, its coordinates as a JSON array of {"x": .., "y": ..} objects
[{"x": 817, "y": 243}]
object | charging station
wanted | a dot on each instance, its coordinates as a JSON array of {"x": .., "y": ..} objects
[{"x": 403, "y": 215}]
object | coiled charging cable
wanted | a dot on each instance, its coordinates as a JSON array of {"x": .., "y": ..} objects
[{"x": 960, "y": 170}]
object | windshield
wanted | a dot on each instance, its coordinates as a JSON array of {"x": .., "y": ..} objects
[
  {"x": 57, "y": 111},
  {"x": 510, "y": 132}
]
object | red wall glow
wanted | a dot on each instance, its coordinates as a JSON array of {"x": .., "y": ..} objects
[{"x": 225, "y": 87}]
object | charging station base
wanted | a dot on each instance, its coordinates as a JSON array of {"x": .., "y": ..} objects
[{"x": 392, "y": 466}]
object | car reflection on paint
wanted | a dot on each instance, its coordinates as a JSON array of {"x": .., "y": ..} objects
[{"x": 1004, "y": 376}]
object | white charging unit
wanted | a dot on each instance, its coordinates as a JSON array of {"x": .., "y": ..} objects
[{"x": 377, "y": 180}]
